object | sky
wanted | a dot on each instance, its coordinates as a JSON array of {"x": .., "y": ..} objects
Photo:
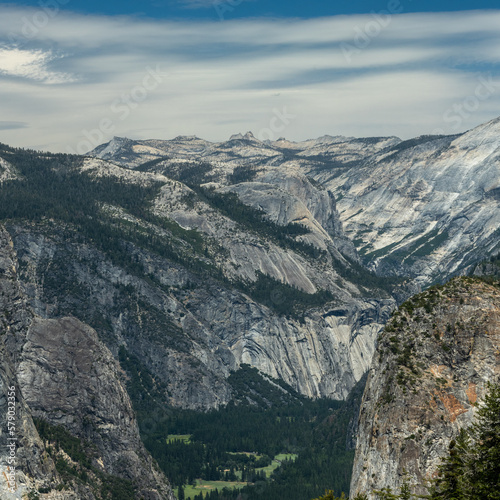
[{"x": 74, "y": 73}]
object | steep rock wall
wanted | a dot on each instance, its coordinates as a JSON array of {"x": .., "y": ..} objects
[
  {"x": 63, "y": 374},
  {"x": 431, "y": 368}
]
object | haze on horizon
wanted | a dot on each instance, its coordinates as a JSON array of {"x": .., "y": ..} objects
[{"x": 74, "y": 75}]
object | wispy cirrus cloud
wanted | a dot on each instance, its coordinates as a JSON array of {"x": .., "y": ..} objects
[{"x": 216, "y": 75}]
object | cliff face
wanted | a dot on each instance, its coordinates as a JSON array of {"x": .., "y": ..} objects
[
  {"x": 426, "y": 208},
  {"x": 431, "y": 368},
  {"x": 207, "y": 273},
  {"x": 24, "y": 463},
  {"x": 64, "y": 375},
  {"x": 29, "y": 454},
  {"x": 191, "y": 333},
  {"x": 154, "y": 244}
]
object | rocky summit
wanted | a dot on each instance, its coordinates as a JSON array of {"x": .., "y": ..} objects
[
  {"x": 423, "y": 208},
  {"x": 196, "y": 276}
]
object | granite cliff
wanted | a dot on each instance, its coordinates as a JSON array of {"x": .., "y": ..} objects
[
  {"x": 426, "y": 208},
  {"x": 195, "y": 276},
  {"x": 193, "y": 258},
  {"x": 433, "y": 362},
  {"x": 65, "y": 378}
]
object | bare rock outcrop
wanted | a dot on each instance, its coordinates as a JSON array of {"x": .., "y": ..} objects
[{"x": 433, "y": 362}]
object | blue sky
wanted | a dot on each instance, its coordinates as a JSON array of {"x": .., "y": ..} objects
[
  {"x": 73, "y": 74},
  {"x": 237, "y": 9}
]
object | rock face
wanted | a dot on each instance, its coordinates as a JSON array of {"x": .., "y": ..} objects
[
  {"x": 427, "y": 208},
  {"x": 432, "y": 365},
  {"x": 409, "y": 207},
  {"x": 24, "y": 463},
  {"x": 63, "y": 374},
  {"x": 195, "y": 257},
  {"x": 6, "y": 171},
  {"x": 182, "y": 293},
  {"x": 29, "y": 466},
  {"x": 325, "y": 353},
  {"x": 185, "y": 294},
  {"x": 69, "y": 378}
]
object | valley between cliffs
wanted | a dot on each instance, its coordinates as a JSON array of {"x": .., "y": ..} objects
[{"x": 194, "y": 258}]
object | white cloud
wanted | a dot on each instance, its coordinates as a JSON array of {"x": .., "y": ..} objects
[
  {"x": 30, "y": 64},
  {"x": 218, "y": 78}
]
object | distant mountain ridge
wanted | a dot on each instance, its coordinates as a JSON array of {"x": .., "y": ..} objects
[
  {"x": 424, "y": 208},
  {"x": 217, "y": 275}
]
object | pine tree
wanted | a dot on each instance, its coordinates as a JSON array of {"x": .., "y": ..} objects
[
  {"x": 405, "y": 490},
  {"x": 386, "y": 494},
  {"x": 485, "y": 434},
  {"x": 452, "y": 483},
  {"x": 471, "y": 471},
  {"x": 180, "y": 494}
]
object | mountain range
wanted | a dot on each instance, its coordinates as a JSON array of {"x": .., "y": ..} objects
[{"x": 196, "y": 258}]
